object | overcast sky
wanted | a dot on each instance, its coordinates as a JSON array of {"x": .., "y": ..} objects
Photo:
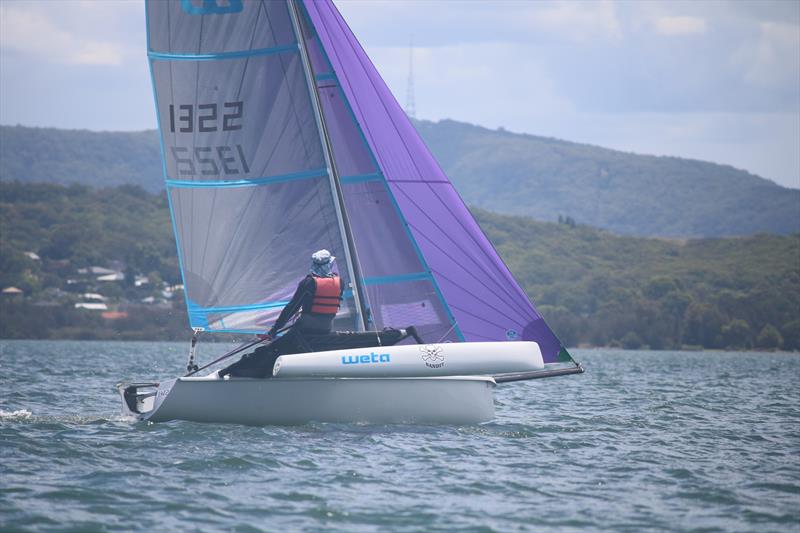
[{"x": 717, "y": 81}]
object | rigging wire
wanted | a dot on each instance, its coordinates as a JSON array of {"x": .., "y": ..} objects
[{"x": 452, "y": 327}]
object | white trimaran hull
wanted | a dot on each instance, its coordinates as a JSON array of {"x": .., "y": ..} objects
[
  {"x": 374, "y": 393},
  {"x": 460, "y": 400},
  {"x": 258, "y": 173}
]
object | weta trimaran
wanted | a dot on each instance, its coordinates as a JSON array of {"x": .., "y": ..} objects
[{"x": 279, "y": 138}]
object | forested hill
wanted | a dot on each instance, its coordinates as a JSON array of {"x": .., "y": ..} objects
[
  {"x": 598, "y": 288},
  {"x": 97, "y": 159},
  {"x": 591, "y": 286},
  {"x": 503, "y": 172},
  {"x": 543, "y": 178}
]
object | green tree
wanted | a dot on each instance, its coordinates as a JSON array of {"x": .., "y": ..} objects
[
  {"x": 30, "y": 282},
  {"x": 658, "y": 287},
  {"x": 112, "y": 290},
  {"x": 13, "y": 265},
  {"x": 769, "y": 338},
  {"x": 674, "y": 304},
  {"x": 736, "y": 334},
  {"x": 703, "y": 325},
  {"x": 63, "y": 241},
  {"x": 791, "y": 335},
  {"x": 145, "y": 257},
  {"x": 631, "y": 341},
  {"x": 156, "y": 283}
]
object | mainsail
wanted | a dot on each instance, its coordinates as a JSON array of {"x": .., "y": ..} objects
[
  {"x": 246, "y": 174},
  {"x": 279, "y": 138}
]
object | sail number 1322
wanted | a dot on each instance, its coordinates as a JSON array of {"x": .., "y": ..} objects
[
  {"x": 208, "y": 118},
  {"x": 205, "y": 118}
]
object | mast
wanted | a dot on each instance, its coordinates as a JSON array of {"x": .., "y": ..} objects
[{"x": 351, "y": 256}]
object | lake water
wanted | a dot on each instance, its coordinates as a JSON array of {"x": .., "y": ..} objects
[{"x": 642, "y": 440}]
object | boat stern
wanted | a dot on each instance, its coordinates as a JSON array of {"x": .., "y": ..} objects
[{"x": 138, "y": 399}]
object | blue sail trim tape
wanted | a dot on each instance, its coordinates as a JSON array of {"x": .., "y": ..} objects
[
  {"x": 169, "y": 56},
  {"x": 241, "y": 331},
  {"x": 400, "y": 278},
  {"x": 164, "y": 173},
  {"x": 197, "y": 315},
  {"x": 239, "y": 308},
  {"x": 309, "y": 174}
]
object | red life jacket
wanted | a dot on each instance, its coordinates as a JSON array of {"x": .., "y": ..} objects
[{"x": 327, "y": 295}]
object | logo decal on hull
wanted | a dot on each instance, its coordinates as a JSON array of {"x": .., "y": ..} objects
[
  {"x": 432, "y": 355},
  {"x": 372, "y": 357}
]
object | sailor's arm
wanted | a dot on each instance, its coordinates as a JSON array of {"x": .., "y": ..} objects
[{"x": 303, "y": 288}]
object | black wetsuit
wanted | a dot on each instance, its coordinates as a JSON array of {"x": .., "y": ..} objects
[
  {"x": 259, "y": 363},
  {"x": 303, "y": 299}
]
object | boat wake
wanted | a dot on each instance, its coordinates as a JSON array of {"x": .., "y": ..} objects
[
  {"x": 24, "y": 415},
  {"x": 20, "y": 414}
]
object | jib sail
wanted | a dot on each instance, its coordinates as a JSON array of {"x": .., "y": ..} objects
[{"x": 389, "y": 165}]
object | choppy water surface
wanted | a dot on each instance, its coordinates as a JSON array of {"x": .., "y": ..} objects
[{"x": 643, "y": 440}]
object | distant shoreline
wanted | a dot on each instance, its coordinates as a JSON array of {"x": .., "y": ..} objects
[
  {"x": 72, "y": 270},
  {"x": 221, "y": 338}
]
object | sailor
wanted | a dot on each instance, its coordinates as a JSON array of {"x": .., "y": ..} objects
[{"x": 317, "y": 298}]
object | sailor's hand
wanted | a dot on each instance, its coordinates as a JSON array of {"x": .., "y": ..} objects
[{"x": 264, "y": 337}]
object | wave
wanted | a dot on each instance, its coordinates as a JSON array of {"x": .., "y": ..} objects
[{"x": 20, "y": 414}]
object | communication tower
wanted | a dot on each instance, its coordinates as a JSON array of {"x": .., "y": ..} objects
[{"x": 411, "y": 106}]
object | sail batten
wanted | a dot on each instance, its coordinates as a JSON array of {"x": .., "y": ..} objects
[
  {"x": 308, "y": 174},
  {"x": 168, "y": 56}
]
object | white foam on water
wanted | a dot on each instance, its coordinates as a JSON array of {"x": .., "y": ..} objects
[
  {"x": 124, "y": 417},
  {"x": 20, "y": 414}
]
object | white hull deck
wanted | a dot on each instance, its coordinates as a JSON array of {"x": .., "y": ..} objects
[{"x": 433, "y": 400}]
